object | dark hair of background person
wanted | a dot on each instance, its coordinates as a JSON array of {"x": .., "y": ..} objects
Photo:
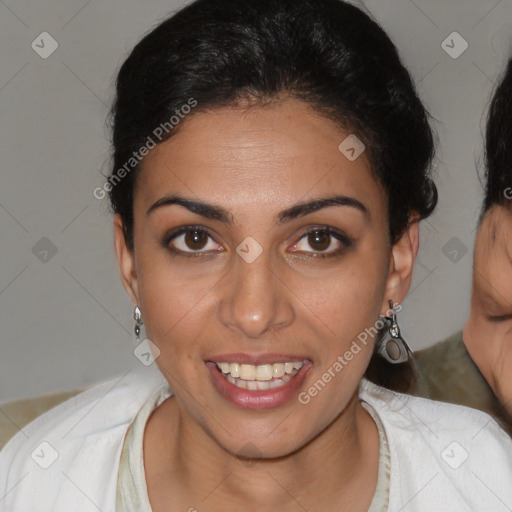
[
  {"x": 327, "y": 53},
  {"x": 498, "y": 145}
]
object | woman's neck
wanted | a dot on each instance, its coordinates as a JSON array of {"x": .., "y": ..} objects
[{"x": 186, "y": 467}]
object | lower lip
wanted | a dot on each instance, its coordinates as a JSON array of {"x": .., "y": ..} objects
[{"x": 261, "y": 398}]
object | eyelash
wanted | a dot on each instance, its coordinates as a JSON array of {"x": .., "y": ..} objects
[
  {"x": 499, "y": 318},
  {"x": 338, "y": 235}
]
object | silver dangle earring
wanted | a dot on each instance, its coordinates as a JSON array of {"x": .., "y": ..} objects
[
  {"x": 392, "y": 347},
  {"x": 138, "y": 322}
]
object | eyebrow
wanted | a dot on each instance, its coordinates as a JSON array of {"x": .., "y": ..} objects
[{"x": 218, "y": 213}]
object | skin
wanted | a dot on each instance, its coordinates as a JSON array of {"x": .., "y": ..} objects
[
  {"x": 488, "y": 330},
  {"x": 255, "y": 163}
]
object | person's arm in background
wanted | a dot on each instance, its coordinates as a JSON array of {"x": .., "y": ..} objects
[{"x": 16, "y": 414}]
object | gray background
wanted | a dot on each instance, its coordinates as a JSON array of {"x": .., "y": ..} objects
[{"x": 65, "y": 320}]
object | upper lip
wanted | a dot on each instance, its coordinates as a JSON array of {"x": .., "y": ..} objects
[{"x": 256, "y": 359}]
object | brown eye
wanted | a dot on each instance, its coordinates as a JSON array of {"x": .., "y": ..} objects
[
  {"x": 319, "y": 240},
  {"x": 195, "y": 239},
  {"x": 191, "y": 241},
  {"x": 324, "y": 242}
]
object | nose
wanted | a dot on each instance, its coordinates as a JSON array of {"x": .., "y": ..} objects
[{"x": 256, "y": 299}]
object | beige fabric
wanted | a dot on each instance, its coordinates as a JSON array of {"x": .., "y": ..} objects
[
  {"x": 381, "y": 497},
  {"x": 18, "y": 413},
  {"x": 448, "y": 374},
  {"x": 132, "y": 492}
]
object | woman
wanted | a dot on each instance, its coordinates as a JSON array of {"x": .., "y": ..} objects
[
  {"x": 472, "y": 367},
  {"x": 270, "y": 170}
]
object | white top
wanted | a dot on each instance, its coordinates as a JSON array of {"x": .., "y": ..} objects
[{"x": 443, "y": 457}]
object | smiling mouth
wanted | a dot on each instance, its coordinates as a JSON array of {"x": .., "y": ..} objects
[{"x": 259, "y": 377}]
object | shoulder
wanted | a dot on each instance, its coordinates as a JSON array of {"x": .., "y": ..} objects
[
  {"x": 446, "y": 372},
  {"x": 454, "y": 454},
  {"x": 451, "y": 347},
  {"x": 402, "y": 410},
  {"x": 53, "y": 456}
]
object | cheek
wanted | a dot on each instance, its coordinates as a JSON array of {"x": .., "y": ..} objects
[
  {"x": 353, "y": 299},
  {"x": 175, "y": 306},
  {"x": 342, "y": 311},
  {"x": 500, "y": 367}
]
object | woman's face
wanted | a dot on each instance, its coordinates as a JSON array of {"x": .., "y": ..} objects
[
  {"x": 255, "y": 286},
  {"x": 488, "y": 331}
]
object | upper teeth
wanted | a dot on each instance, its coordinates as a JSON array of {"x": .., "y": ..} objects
[{"x": 261, "y": 372}]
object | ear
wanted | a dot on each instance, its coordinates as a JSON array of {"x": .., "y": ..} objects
[
  {"x": 126, "y": 261},
  {"x": 401, "y": 263}
]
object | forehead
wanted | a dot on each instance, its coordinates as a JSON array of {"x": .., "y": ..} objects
[{"x": 257, "y": 155}]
